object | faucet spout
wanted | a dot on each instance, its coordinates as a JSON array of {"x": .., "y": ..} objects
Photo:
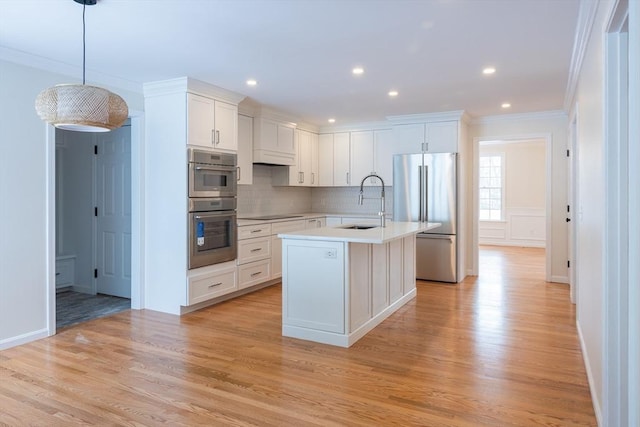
[{"x": 361, "y": 197}]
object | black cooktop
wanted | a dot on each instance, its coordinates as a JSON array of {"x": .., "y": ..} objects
[{"x": 269, "y": 217}]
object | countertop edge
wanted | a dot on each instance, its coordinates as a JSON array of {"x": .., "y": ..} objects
[{"x": 377, "y": 235}]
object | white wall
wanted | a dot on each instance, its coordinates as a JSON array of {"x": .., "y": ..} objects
[
  {"x": 26, "y": 185},
  {"x": 591, "y": 208},
  {"x": 75, "y": 221},
  {"x": 536, "y": 125},
  {"x": 524, "y": 195}
]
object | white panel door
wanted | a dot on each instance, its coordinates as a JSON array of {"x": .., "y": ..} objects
[{"x": 113, "y": 222}]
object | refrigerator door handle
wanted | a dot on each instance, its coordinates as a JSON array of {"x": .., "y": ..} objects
[
  {"x": 420, "y": 191},
  {"x": 435, "y": 236},
  {"x": 426, "y": 193}
]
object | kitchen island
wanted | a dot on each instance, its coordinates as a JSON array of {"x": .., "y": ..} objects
[{"x": 338, "y": 283}]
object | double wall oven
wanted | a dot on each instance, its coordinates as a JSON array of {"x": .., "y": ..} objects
[{"x": 212, "y": 207}]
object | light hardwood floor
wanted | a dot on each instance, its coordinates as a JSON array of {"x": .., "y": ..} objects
[{"x": 497, "y": 350}]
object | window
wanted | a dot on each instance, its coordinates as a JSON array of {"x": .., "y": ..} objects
[{"x": 491, "y": 187}]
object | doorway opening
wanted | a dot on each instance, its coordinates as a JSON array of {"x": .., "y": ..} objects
[
  {"x": 512, "y": 195},
  {"x": 93, "y": 224}
]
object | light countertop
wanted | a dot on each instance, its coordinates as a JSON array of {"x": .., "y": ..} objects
[
  {"x": 376, "y": 235},
  {"x": 251, "y": 220}
]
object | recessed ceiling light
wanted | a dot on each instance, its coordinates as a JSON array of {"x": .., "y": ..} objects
[
  {"x": 357, "y": 71},
  {"x": 506, "y": 105},
  {"x": 489, "y": 70},
  {"x": 251, "y": 82},
  {"x": 393, "y": 93},
  {"x": 332, "y": 120}
]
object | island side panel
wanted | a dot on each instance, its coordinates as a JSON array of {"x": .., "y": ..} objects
[
  {"x": 380, "y": 277},
  {"x": 313, "y": 281},
  {"x": 359, "y": 284},
  {"x": 396, "y": 268},
  {"x": 409, "y": 255}
]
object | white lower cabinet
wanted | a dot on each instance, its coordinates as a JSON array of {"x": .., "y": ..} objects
[
  {"x": 336, "y": 292},
  {"x": 276, "y": 243},
  {"x": 65, "y": 271},
  {"x": 254, "y": 255},
  {"x": 211, "y": 283},
  {"x": 253, "y": 273}
]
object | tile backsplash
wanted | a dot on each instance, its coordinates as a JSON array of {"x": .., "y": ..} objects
[{"x": 262, "y": 198}]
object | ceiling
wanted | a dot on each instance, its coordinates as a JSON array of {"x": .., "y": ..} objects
[{"x": 301, "y": 52}]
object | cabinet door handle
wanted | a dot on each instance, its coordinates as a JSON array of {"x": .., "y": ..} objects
[
  {"x": 347, "y": 177},
  {"x": 215, "y": 284},
  {"x": 313, "y": 177},
  {"x": 257, "y": 273},
  {"x": 217, "y": 137},
  {"x": 302, "y": 180},
  {"x": 238, "y": 170},
  {"x": 213, "y": 136}
]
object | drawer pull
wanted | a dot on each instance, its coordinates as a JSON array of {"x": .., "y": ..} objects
[
  {"x": 257, "y": 273},
  {"x": 215, "y": 284},
  {"x": 256, "y": 250},
  {"x": 57, "y": 274},
  {"x": 256, "y": 231}
]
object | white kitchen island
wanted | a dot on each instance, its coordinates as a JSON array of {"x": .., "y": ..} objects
[{"x": 338, "y": 283}]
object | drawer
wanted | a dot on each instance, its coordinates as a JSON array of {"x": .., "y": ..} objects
[
  {"x": 253, "y": 273},
  {"x": 207, "y": 286},
  {"x": 251, "y": 231},
  {"x": 254, "y": 249},
  {"x": 286, "y": 226},
  {"x": 65, "y": 271}
]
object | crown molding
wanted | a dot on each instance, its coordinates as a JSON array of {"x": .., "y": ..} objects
[
  {"x": 72, "y": 71},
  {"x": 541, "y": 115},
  {"x": 586, "y": 19},
  {"x": 188, "y": 84},
  {"x": 428, "y": 117}
]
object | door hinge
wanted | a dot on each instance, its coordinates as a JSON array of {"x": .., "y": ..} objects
[
  {"x": 95, "y": 273},
  {"x": 95, "y": 211},
  {"x": 95, "y": 149},
  {"x": 568, "y": 264}
]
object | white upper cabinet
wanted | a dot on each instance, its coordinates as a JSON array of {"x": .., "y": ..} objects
[
  {"x": 436, "y": 137},
  {"x": 362, "y": 157},
  {"x": 274, "y": 142},
  {"x": 383, "y": 147},
  {"x": 211, "y": 123},
  {"x": 342, "y": 176},
  {"x": 315, "y": 161},
  {"x": 325, "y": 160},
  {"x": 245, "y": 149},
  {"x": 301, "y": 173}
]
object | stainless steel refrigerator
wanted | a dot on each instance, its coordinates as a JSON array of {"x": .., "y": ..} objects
[{"x": 425, "y": 189}]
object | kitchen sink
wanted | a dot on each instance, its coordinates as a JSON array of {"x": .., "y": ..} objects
[{"x": 359, "y": 227}]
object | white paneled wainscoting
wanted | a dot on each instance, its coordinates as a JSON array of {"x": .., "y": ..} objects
[{"x": 523, "y": 227}]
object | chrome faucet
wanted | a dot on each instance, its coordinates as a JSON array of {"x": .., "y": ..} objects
[{"x": 361, "y": 197}]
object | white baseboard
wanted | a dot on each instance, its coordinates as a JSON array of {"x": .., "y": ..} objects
[
  {"x": 585, "y": 357},
  {"x": 517, "y": 243},
  {"x": 560, "y": 279},
  {"x": 23, "y": 339}
]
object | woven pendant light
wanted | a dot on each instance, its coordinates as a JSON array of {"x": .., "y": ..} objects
[{"x": 82, "y": 107}]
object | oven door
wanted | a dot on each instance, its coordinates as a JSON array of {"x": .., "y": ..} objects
[
  {"x": 212, "y": 180},
  {"x": 212, "y": 238}
]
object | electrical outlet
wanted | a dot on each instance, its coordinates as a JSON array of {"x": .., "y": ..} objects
[{"x": 331, "y": 253}]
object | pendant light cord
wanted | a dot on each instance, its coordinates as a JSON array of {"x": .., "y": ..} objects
[{"x": 84, "y": 49}]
